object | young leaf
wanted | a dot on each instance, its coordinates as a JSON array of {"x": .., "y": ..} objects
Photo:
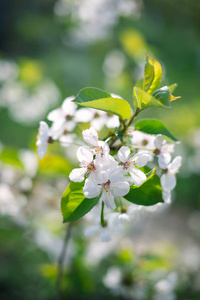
[
  {"x": 172, "y": 87},
  {"x": 163, "y": 95},
  {"x": 154, "y": 127},
  {"x": 98, "y": 99},
  {"x": 152, "y": 74},
  {"x": 143, "y": 100},
  {"x": 149, "y": 193},
  {"x": 74, "y": 205}
]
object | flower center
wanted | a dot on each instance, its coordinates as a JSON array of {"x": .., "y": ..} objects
[
  {"x": 106, "y": 186},
  {"x": 126, "y": 165},
  {"x": 91, "y": 167},
  {"x": 98, "y": 150}
]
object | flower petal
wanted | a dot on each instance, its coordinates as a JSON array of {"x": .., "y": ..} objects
[
  {"x": 137, "y": 176},
  {"x": 90, "y": 185},
  {"x": 159, "y": 141},
  {"x": 141, "y": 158},
  {"x": 108, "y": 198},
  {"x": 68, "y": 106},
  {"x": 120, "y": 188},
  {"x": 84, "y": 153},
  {"x": 84, "y": 115},
  {"x": 90, "y": 136},
  {"x": 123, "y": 153},
  {"x": 55, "y": 115},
  {"x": 77, "y": 175},
  {"x": 164, "y": 159},
  {"x": 168, "y": 181},
  {"x": 175, "y": 165}
]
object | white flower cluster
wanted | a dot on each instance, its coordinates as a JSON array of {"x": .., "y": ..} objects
[
  {"x": 64, "y": 120},
  {"x": 106, "y": 176},
  {"x": 160, "y": 149},
  {"x": 107, "y": 172}
]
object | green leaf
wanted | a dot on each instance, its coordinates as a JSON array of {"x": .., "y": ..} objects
[
  {"x": 74, "y": 205},
  {"x": 153, "y": 127},
  {"x": 163, "y": 95},
  {"x": 143, "y": 100},
  {"x": 172, "y": 87},
  {"x": 98, "y": 99},
  {"x": 152, "y": 74},
  {"x": 149, "y": 193}
]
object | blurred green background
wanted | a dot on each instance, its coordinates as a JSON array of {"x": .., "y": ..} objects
[{"x": 51, "y": 49}]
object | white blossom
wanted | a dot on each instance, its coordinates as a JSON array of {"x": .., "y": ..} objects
[
  {"x": 164, "y": 151},
  {"x": 43, "y": 138},
  {"x": 62, "y": 118},
  {"x": 100, "y": 148},
  {"x": 130, "y": 164},
  {"x": 97, "y": 118},
  {"x": 110, "y": 184},
  {"x": 168, "y": 179},
  {"x": 85, "y": 156}
]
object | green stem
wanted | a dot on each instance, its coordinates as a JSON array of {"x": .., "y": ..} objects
[
  {"x": 102, "y": 215},
  {"x": 126, "y": 125}
]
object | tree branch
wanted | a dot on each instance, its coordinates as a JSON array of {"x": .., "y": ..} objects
[{"x": 61, "y": 262}]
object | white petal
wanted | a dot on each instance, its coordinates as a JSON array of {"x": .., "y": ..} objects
[
  {"x": 141, "y": 158},
  {"x": 84, "y": 153},
  {"x": 90, "y": 136},
  {"x": 164, "y": 159},
  {"x": 68, "y": 106},
  {"x": 105, "y": 148},
  {"x": 66, "y": 140},
  {"x": 166, "y": 195},
  {"x": 57, "y": 129},
  {"x": 106, "y": 163},
  {"x": 120, "y": 188},
  {"x": 168, "y": 181},
  {"x": 113, "y": 122},
  {"x": 84, "y": 115},
  {"x": 159, "y": 141},
  {"x": 117, "y": 174},
  {"x": 168, "y": 148},
  {"x": 43, "y": 130},
  {"x": 108, "y": 199},
  {"x": 91, "y": 195},
  {"x": 102, "y": 176},
  {"x": 123, "y": 153},
  {"x": 90, "y": 185},
  {"x": 77, "y": 175},
  {"x": 55, "y": 115},
  {"x": 42, "y": 139},
  {"x": 137, "y": 176},
  {"x": 175, "y": 165},
  {"x": 42, "y": 150}
]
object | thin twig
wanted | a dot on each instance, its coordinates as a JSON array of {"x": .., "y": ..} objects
[
  {"x": 61, "y": 262},
  {"x": 113, "y": 140}
]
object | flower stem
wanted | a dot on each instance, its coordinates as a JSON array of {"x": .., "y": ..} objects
[
  {"x": 102, "y": 215},
  {"x": 126, "y": 125}
]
